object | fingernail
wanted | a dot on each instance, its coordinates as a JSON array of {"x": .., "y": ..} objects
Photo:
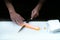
[{"x": 31, "y": 18}]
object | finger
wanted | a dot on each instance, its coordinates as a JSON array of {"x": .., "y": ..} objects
[
  {"x": 32, "y": 15},
  {"x": 20, "y": 17},
  {"x": 19, "y": 20},
  {"x": 36, "y": 15},
  {"x": 13, "y": 20}
]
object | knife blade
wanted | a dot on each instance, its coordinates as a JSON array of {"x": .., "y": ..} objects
[{"x": 24, "y": 25}]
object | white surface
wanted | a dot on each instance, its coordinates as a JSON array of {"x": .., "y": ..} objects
[{"x": 9, "y": 31}]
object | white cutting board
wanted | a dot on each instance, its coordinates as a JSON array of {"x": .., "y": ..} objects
[{"x": 9, "y": 31}]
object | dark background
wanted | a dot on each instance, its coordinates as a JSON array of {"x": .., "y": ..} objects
[{"x": 49, "y": 10}]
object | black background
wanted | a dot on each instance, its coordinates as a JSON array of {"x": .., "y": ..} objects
[{"x": 49, "y": 10}]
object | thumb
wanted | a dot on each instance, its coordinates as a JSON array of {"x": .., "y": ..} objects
[{"x": 33, "y": 14}]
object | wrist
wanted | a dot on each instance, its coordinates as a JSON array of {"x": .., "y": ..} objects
[
  {"x": 37, "y": 8},
  {"x": 11, "y": 11}
]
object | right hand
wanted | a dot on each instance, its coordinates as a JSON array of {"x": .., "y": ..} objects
[{"x": 15, "y": 17}]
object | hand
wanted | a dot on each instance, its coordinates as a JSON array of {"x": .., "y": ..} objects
[
  {"x": 35, "y": 13},
  {"x": 15, "y": 17}
]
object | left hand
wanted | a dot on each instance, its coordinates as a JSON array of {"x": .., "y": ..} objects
[{"x": 34, "y": 13}]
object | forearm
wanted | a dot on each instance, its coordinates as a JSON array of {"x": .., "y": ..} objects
[
  {"x": 9, "y": 6},
  {"x": 40, "y": 3}
]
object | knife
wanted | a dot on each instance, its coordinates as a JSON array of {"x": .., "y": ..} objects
[{"x": 24, "y": 25}]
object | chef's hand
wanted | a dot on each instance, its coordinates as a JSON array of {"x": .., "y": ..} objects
[
  {"x": 35, "y": 13},
  {"x": 15, "y": 17}
]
